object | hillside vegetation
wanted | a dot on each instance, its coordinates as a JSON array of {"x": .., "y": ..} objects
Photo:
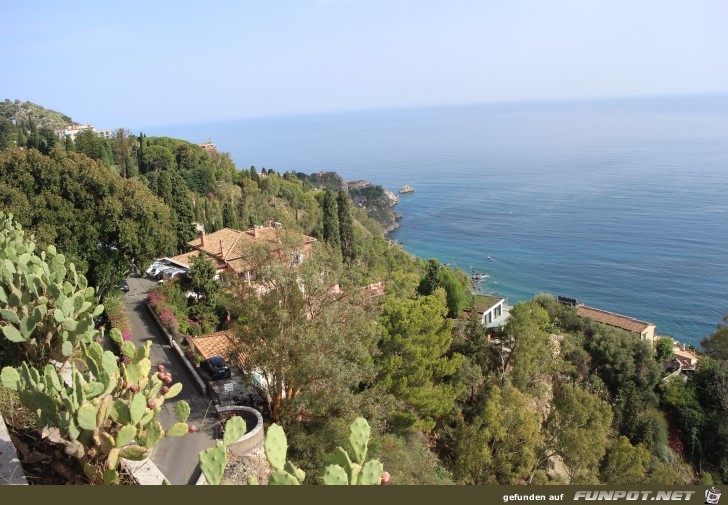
[{"x": 550, "y": 398}]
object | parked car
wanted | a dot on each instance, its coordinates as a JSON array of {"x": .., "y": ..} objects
[
  {"x": 160, "y": 273},
  {"x": 216, "y": 367},
  {"x": 156, "y": 267},
  {"x": 124, "y": 286},
  {"x": 168, "y": 275}
]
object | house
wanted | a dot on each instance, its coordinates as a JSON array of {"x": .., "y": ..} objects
[
  {"x": 74, "y": 129},
  {"x": 217, "y": 344},
  {"x": 222, "y": 344},
  {"x": 231, "y": 250},
  {"x": 492, "y": 311},
  {"x": 358, "y": 184},
  {"x": 209, "y": 147},
  {"x": 687, "y": 359},
  {"x": 644, "y": 330}
]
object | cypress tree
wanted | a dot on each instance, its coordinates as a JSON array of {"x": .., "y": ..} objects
[
  {"x": 331, "y": 221},
  {"x": 346, "y": 227}
]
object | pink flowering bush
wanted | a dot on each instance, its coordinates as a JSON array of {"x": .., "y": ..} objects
[{"x": 116, "y": 312}]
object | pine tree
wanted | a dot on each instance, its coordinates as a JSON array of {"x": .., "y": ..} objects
[{"x": 346, "y": 227}]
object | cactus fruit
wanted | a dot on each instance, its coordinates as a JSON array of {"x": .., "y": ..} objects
[
  {"x": 192, "y": 428},
  {"x": 160, "y": 368},
  {"x": 98, "y": 413},
  {"x": 164, "y": 390}
]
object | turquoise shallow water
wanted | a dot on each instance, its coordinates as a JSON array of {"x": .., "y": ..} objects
[{"x": 621, "y": 204}]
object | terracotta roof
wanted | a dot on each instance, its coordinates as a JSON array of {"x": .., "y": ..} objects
[
  {"x": 186, "y": 260},
  {"x": 232, "y": 246},
  {"x": 612, "y": 319},
  {"x": 684, "y": 354},
  {"x": 218, "y": 344}
]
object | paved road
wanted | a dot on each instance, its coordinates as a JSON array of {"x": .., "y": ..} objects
[{"x": 176, "y": 457}]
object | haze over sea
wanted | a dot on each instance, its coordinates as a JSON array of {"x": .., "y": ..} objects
[{"x": 622, "y": 204}]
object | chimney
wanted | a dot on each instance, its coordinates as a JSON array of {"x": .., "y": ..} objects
[
  {"x": 202, "y": 238},
  {"x": 222, "y": 251},
  {"x": 255, "y": 231}
]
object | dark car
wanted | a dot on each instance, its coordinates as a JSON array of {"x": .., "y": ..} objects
[
  {"x": 217, "y": 367},
  {"x": 124, "y": 286}
]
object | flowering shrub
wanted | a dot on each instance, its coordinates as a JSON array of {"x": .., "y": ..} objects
[
  {"x": 116, "y": 312},
  {"x": 169, "y": 303}
]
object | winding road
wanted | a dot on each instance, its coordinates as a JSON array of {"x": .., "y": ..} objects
[{"x": 176, "y": 457}]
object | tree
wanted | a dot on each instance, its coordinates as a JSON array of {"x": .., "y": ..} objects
[
  {"x": 663, "y": 349},
  {"x": 437, "y": 276},
  {"x": 202, "y": 279},
  {"x": 626, "y": 464},
  {"x": 527, "y": 355},
  {"x": 157, "y": 158},
  {"x": 331, "y": 221},
  {"x": 122, "y": 149},
  {"x": 618, "y": 357},
  {"x": 413, "y": 365},
  {"x": 431, "y": 279},
  {"x": 84, "y": 209},
  {"x": 576, "y": 430},
  {"x": 309, "y": 341},
  {"x": 500, "y": 445},
  {"x": 346, "y": 226},
  {"x": 716, "y": 345}
]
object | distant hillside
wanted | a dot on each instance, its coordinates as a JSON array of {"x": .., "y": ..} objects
[{"x": 27, "y": 111}]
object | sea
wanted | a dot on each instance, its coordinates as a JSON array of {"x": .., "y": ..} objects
[{"x": 621, "y": 204}]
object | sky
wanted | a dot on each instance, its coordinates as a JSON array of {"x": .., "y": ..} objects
[{"x": 133, "y": 64}]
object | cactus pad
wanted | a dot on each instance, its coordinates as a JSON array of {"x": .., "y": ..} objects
[
  {"x": 371, "y": 473},
  {"x": 234, "y": 430},
  {"x": 276, "y": 446},
  {"x": 335, "y": 476},
  {"x": 359, "y": 432},
  {"x": 212, "y": 463}
]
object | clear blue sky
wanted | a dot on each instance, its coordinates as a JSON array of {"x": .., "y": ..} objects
[{"x": 136, "y": 64}]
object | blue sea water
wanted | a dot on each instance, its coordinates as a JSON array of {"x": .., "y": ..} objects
[{"x": 622, "y": 204}]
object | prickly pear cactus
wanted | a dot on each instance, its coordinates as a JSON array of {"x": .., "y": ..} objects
[
  {"x": 46, "y": 307},
  {"x": 343, "y": 470},
  {"x": 214, "y": 460},
  {"x": 102, "y": 409}
]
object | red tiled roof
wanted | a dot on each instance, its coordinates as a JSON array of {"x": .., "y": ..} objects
[
  {"x": 219, "y": 344},
  {"x": 230, "y": 247},
  {"x": 612, "y": 319}
]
